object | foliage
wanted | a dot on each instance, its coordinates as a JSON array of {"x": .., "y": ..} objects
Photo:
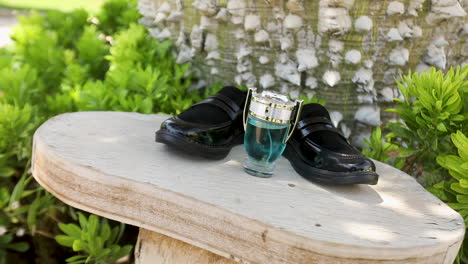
[
  {"x": 96, "y": 238},
  {"x": 62, "y": 62},
  {"x": 432, "y": 131}
]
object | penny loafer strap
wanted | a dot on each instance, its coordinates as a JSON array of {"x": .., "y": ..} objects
[
  {"x": 223, "y": 102},
  {"x": 318, "y": 127},
  {"x": 313, "y": 120}
]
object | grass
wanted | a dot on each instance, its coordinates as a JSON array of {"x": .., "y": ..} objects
[{"x": 62, "y": 5}]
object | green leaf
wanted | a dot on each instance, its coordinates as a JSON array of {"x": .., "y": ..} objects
[
  {"x": 6, "y": 172},
  {"x": 71, "y": 230},
  {"x": 83, "y": 222},
  {"x": 462, "y": 198},
  {"x": 77, "y": 245},
  {"x": 456, "y": 187},
  {"x": 18, "y": 190},
  {"x": 20, "y": 246},
  {"x": 93, "y": 222},
  {"x": 66, "y": 241},
  {"x": 441, "y": 127},
  {"x": 76, "y": 258},
  {"x": 105, "y": 232},
  {"x": 6, "y": 239}
]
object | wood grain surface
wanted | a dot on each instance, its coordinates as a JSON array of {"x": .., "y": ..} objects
[{"x": 107, "y": 163}]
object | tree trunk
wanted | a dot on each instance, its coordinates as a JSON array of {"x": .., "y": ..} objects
[{"x": 346, "y": 51}]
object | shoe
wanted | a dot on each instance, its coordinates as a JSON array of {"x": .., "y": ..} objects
[
  {"x": 209, "y": 128},
  {"x": 320, "y": 153}
]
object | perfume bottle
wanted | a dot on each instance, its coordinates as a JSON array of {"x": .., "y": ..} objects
[{"x": 268, "y": 125}]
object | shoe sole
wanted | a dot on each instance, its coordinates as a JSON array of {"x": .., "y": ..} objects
[
  {"x": 193, "y": 148},
  {"x": 325, "y": 176}
]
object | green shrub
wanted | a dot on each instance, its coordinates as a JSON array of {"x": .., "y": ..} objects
[
  {"x": 96, "y": 238},
  {"x": 63, "y": 62},
  {"x": 430, "y": 141}
]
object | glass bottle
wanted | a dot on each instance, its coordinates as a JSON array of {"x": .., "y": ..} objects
[{"x": 268, "y": 126}]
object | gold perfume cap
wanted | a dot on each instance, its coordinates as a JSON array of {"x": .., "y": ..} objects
[{"x": 272, "y": 107}]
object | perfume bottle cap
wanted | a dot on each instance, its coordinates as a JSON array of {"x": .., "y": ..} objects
[{"x": 272, "y": 107}]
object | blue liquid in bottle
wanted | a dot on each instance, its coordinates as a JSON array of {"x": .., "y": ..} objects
[{"x": 264, "y": 142}]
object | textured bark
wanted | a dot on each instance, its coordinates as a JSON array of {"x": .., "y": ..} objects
[{"x": 346, "y": 51}]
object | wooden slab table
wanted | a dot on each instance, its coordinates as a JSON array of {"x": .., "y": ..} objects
[{"x": 192, "y": 210}]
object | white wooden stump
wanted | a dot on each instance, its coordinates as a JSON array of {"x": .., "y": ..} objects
[{"x": 192, "y": 210}]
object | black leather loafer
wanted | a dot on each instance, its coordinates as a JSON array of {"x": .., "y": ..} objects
[
  {"x": 209, "y": 128},
  {"x": 320, "y": 153}
]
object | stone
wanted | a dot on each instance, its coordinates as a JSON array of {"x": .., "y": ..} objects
[
  {"x": 196, "y": 37},
  {"x": 208, "y": 24},
  {"x": 175, "y": 16},
  {"x": 398, "y": 57},
  {"x": 335, "y": 59},
  {"x": 387, "y": 94},
  {"x": 306, "y": 59},
  {"x": 347, "y": 4},
  {"x": 311, "y": 82},
  {"x": 288, "y": 72},
  {"x": 244, "y": 65},
  {"x": 417, "y": 32},
  {"x": 236, "y": 7},
  {"x": 243, "y": 51},
  {"x": 267, "y": 81},
  {"x": 213, "y": 55},
  {"x": 206, "y": 7},
  {"x": 185, "y": 54},
  {"x": 363, "y": 23},
  {"x": 292, "y": 22},
  {"x": 261, "y": 36},
  {"x": 214, "y": 71},
  {"x": 160, "y": 17},
  {"x": 359, "y": 139},
  {"x": 415, "y": 6},
  {"x": 182, "y": 39},
  {"x": 263, "y": 60},
  {"x": 394, "y": 35},
  {"x": 353, "y": 57},
  {"x": 294, "y": 93},
  {"x": 368, "y": 64},
  {"x": 249, "y": 79},
  {"x": 422, "y": 67},
  {"x": 239, "y": 34},
  {"x": 440, "y": 42},
  {"x": 389, "y": 76},
  {"x": 363, "y": 79},
  {"x": 331, "y": 78},
  {"x": 369, "y": 115},
  {"x": 272, "y": 27},
  {"x": 237, "y": 20},
  {"x": 395, "y": 7},
  {"x": 222, "y": 15},
  {"x": 335, "y": 45},
  {"x": 164, "y": 34},
  {"x": 295, "y": 6},
  {"x": 211, "y": 42},
  {"x": 405, "y": 30},
  {"x": 334, "y": 21},
  {"x": 345, "y": 130},
  {"x": 286, "y": 43},
  {"x": 336, "y": 117},
  {"x": 164, "y": 8},
  {"x": 366, "y": 99},
  {"x": 252, "y": 23},
  {"x": 435, "y": 56}
]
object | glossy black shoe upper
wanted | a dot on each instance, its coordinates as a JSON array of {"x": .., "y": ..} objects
[
  {"x": 319, "y": 152},
  {"x": 209, "y": 128}
]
